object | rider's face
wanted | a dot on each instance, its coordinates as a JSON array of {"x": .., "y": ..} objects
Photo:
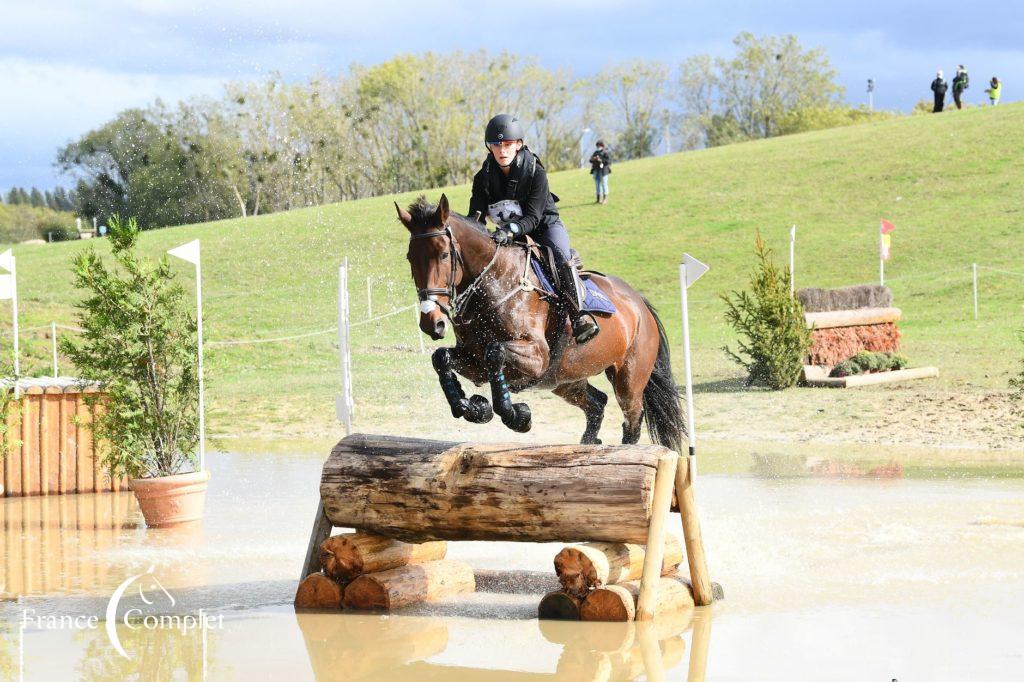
[{"x": 504, "y": 152}]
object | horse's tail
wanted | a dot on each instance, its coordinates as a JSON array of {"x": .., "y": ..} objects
[{"x": 663, "y": 408}]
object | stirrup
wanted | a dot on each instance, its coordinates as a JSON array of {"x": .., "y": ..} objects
[{"x": 584, "y": 332}]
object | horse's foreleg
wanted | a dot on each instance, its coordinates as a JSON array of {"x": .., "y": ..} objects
[
  {"x": 591, "y": 401},
  {"x": 475, "y": 408},
  {"x": 516, "y": 416}
]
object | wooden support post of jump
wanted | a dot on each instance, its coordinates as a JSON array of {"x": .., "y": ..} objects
[
  {"x": 702, "y": 591},
  {"x": 321, "y": 531},
  {"x": 660, "y": 506}
]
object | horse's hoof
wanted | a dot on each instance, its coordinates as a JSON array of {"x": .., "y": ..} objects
[
  {"x": 590, "y": 441},
  {"x": 478, "y": 410},
  {"x": 518, "y": 418}
]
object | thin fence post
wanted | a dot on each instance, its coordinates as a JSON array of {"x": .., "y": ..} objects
[
  {"x": 345, "y": 404},
  {"x": 369, "y": 298},
  {"x": 974, "y": 272},
  {"x": 53, "y": 338}
]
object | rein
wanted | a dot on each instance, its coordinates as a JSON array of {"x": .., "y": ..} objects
[{"x": 457, "y": 302}]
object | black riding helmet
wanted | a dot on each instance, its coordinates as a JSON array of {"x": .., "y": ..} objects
[{"x": 503, "y": 127}]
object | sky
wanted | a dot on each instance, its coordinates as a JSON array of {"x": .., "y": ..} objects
[{"x": 68, "y": 67}]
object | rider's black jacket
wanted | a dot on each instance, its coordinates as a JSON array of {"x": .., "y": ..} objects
[{"x": 527, "y": 183}]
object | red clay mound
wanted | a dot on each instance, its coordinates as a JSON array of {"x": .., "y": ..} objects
[{"x": 832, "y": 346}]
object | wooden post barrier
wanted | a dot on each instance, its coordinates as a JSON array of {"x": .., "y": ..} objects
[
  {"x": 49, "y": 447},
  {"x": 416, "y": 490}
]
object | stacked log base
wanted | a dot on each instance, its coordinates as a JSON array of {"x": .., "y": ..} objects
[
  {"x": 559, "y": 606},
  {"x": 398, "y": 587},
  {"x": 318, "y": 591},
  {"x": 346, "y": 557},
  {"x": 581, "y": 568},
  {"x": 617, "y": 603}
]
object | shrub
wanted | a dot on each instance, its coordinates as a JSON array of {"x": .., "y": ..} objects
[
  {"x": 844, "y": 369},
  {"x": 140, "y": 344},
  {"x": 898, "y": 361},
  {"x": 770, "y": 321}
]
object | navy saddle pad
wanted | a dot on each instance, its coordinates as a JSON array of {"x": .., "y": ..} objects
[{"x": 594, "y": 300}]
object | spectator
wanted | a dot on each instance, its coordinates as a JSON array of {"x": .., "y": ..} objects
[
  {"x": 600, "y": 167},
  {"x": 939, "y": 87},
  {"x": 960, "y": 83},
  {"x": 995, "y": 89}
]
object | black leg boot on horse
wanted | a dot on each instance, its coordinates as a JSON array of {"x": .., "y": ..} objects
[
  {"x": 475, "y": 409},
  {"x": 570, "y": 292},
  {"x": 515, "y": 416}
]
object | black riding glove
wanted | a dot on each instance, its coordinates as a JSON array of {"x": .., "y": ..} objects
[{"x": 505, "y": 233}]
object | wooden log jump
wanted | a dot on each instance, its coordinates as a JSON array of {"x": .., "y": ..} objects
[{"x": 416, "y": 490}]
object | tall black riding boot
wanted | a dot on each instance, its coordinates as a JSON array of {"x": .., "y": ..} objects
[{"x": 570, "y": 290}]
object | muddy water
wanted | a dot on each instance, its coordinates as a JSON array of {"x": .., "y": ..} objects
[{"x": 824, "y": 579}]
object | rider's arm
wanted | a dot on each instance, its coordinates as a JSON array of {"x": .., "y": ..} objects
[
  {"x": 478, "y": 202},
  {"x": 534, "y": 203}
]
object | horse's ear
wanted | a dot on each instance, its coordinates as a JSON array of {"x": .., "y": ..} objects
[
  {"x": 404, "y": 216},
  {"x": 442, "y": 210}
]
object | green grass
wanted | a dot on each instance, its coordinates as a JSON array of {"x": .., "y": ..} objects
[{"x": 948, "y": 183}]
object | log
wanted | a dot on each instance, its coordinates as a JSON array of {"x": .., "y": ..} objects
[
  {"x": 617, "y": 603},
  {"x": 392, "y": 589},
  {"x": 346, "y": 557},
  {"x": 581, "y": 568},
  {"x": 318, "y": 591},
  {"x": 559, "y": 606},
  {"x": 415, "y": 490},
  {"x": 851, "y": 318}
]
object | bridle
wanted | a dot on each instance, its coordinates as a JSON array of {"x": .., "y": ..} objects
[
  {"x": 430, "y": 294},
  {"x": 456, "y": 302}
]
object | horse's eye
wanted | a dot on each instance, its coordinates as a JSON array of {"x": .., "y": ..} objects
[{"x": 444, "y": 256}]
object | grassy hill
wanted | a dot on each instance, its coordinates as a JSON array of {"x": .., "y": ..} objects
[{"x": 948, "y": 183}]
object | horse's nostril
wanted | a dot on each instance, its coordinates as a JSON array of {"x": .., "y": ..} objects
[{"x": 439, "y": 327}]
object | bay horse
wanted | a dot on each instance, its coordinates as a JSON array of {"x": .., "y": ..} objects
[{"x": 513, "y": 336}]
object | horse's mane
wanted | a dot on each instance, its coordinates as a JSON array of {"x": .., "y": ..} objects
[{"x": 422, "y": 212}]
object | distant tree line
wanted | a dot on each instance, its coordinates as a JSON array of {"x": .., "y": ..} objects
[
  {"x": 57, "y": 199},
  {"x": 416, "y": 121}
]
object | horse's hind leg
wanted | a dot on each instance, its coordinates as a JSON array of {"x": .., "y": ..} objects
[
  {"x": 475, "y": 409},
  {"x": 629, "y": 393},
  {"x": 591, "y": 401}
]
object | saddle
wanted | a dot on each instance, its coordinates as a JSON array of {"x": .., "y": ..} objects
[{"x": 542, "y": 260}]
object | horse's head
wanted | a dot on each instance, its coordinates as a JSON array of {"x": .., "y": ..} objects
[{"x": 432, "y": 257}]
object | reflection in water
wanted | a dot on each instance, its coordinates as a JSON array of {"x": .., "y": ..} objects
[
  {"x": 70, "y": 544},
  {"x": 365, "y": 647},
  {"x": 164, "y": 654},
  {"x": 42, "y": 552}
]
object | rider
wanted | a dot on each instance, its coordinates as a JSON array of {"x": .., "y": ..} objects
[{"x": 512, "y": 188}]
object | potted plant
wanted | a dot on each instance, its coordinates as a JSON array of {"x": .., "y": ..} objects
[{"x": 139, "y": 342}]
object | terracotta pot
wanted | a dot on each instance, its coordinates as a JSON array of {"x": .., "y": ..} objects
[{"x": 171, "y": 500}]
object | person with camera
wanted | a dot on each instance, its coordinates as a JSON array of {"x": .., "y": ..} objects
[
  {"x": 960, "y": 83},
  {"x": 600, "y": 168}
]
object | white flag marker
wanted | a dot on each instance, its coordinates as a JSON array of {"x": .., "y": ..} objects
[
  {"x": 9, "y": 290},
  {"x": 190, "y": 252},
  {"x": 690, "y": 270}
]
